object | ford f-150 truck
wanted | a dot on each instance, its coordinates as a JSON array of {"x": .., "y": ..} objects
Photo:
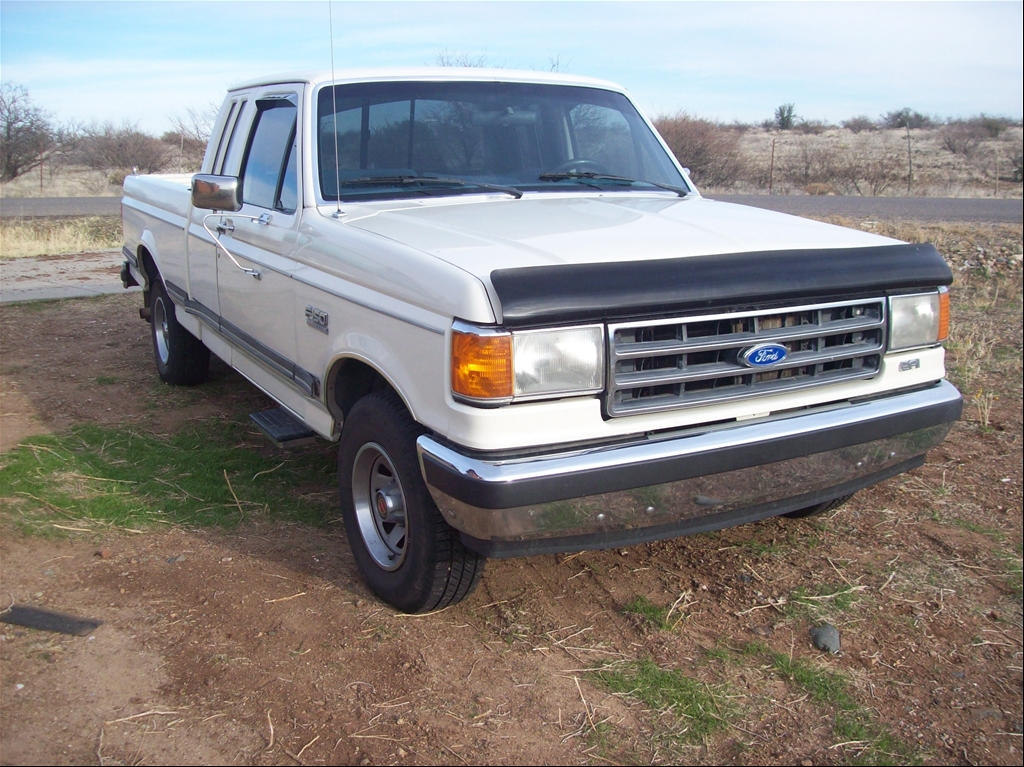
[{"x": 529, "y": 333}]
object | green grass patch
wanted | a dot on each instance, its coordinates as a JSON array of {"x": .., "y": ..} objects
[
  {"x": 973, "y": 527},
  {"x": 696, "y": 709},
  {"x": 1014, "y": 572},
  {"x": 852, "y": 723},
  {"x": 646, "y": 609},
  {"x": 128, "y": 479}
]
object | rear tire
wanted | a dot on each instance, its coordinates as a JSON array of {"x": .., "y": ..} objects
[
  {"x": 181, "y": 358},
  {"x": 408, "y": 555},
  {"x": 818, "y": 508}
]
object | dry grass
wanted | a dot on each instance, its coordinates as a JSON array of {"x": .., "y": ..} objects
[
  {"x": 62, "y": 182},
  {"x": 23, "y": 238},
  {"x": 821, "y": 164}
]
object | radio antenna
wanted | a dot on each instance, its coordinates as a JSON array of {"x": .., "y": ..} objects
[{"x": 334, "y": 98}]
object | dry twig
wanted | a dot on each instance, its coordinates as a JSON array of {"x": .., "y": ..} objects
[
  {"x": 284, "y": 599},
  {"x": 237, "y": 502}
]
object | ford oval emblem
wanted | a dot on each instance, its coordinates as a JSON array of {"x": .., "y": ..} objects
[{"x": 763, "y": 355}]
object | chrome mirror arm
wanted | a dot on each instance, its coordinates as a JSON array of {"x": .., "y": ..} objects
[{"x": 229, "y": 228}]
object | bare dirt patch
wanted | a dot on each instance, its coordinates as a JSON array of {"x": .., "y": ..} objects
[{"x": 259, "y": 644}]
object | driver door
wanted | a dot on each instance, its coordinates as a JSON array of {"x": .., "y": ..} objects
[{"x": 254, "y": 288}]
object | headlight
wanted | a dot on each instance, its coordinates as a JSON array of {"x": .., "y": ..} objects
[
  {"x": 496, "y": 367},
  {"x": 921, "y": 319}
]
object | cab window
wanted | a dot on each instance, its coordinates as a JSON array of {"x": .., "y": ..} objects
[{"x": 269, "y": 175}]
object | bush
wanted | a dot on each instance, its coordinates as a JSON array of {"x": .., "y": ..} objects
[
  {"x": 710, "y": 151},
  {"x": 859, "y": 123},
  {"x": 962, "y": 137},
  {"x": 812, "y": 163},
  {"x": 991, "y": 126},
  {"x": 812, "y": 127},
  {"x": 870, "y": 170},
  {"x": 906, "y": 118}
]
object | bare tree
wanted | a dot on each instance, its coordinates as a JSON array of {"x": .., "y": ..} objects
[
  {"x": 448, "y": 58},
  {"x": 189, "y": 134},
  {"x": 27, "y": 137}
]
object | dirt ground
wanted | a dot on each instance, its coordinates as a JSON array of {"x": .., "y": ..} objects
[{"x": 261, "y": 645}]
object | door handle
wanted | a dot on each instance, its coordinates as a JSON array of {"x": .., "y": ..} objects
[{"x": 264, "y": 219}]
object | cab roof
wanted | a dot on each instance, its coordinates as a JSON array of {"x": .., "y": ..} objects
[{"x": 426, "y": 74}]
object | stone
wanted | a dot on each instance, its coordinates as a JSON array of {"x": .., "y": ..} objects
[{"x": 826, "y": 638}]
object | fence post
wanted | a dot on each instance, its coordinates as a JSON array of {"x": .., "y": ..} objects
[{"x": 771, "y": 169}]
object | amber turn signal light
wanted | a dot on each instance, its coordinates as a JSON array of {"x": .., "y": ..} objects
[
  {"x": 482, "y": 365},
  {"x": 943, "y": 315}
]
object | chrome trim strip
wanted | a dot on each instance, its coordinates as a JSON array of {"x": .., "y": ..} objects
[
  {"x": 671, "y": 402},
  {"x": 658, "y": 348},
  {"x": 787, "y": 309},
  {"x": 128, "y": 254}
]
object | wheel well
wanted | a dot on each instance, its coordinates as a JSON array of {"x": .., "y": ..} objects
[
  {"x": 148, "y": 267},
  {"x": 350, "y": 380}
]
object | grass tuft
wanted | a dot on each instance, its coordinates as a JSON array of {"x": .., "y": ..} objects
[
  {"x": 699, "y": 712},
  {"x": 646, "y": 609}
]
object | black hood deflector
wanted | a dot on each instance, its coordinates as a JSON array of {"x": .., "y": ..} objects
[{"x": 596, "y": 292}]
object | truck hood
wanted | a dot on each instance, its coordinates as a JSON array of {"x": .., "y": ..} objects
[{"x": 482, "y": 234}]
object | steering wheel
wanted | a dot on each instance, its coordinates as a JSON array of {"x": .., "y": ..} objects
[{"x": 580, "y": 165}]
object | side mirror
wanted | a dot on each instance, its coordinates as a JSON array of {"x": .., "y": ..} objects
[{"x": 216, "y": 192}]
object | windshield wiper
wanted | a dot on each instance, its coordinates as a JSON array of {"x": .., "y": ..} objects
[
  {"x": 592, "y": 176},
  {"x": 407, "y": 180}
]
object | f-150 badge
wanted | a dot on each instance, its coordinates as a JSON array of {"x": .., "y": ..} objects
[
  {"x": 316, "y": 318},
  {"x": 763, "y": 355}
]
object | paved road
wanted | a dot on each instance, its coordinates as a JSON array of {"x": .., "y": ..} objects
[
  {"x": 41, "y": 207},
  {"x": 910, "y": 208}
]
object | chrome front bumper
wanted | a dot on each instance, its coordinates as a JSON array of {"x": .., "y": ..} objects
[{"x": 674, "y": 485}]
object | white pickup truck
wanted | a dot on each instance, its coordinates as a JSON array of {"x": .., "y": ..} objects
[{"x": 500, "y": 292}]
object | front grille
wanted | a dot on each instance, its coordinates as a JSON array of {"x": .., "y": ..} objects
[{"x": 682, "y": 362}]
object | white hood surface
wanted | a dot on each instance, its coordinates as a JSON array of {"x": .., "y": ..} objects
[{"x": 481, "y": 234}]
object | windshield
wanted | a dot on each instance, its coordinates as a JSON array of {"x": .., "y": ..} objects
[{"x": 522, "y": 136}]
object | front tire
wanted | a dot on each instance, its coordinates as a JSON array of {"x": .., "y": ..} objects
[
  {"x": 408, "y": 555},
  {"x": 181, "y": 358}
]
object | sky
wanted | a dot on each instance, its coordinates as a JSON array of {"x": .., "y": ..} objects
[{"x": 146, "y": 62}]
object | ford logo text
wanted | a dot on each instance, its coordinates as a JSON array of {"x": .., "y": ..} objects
[{"x": 763, "y": 355}]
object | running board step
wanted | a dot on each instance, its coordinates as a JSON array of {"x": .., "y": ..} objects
[{"x": 282, "y": 428}]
